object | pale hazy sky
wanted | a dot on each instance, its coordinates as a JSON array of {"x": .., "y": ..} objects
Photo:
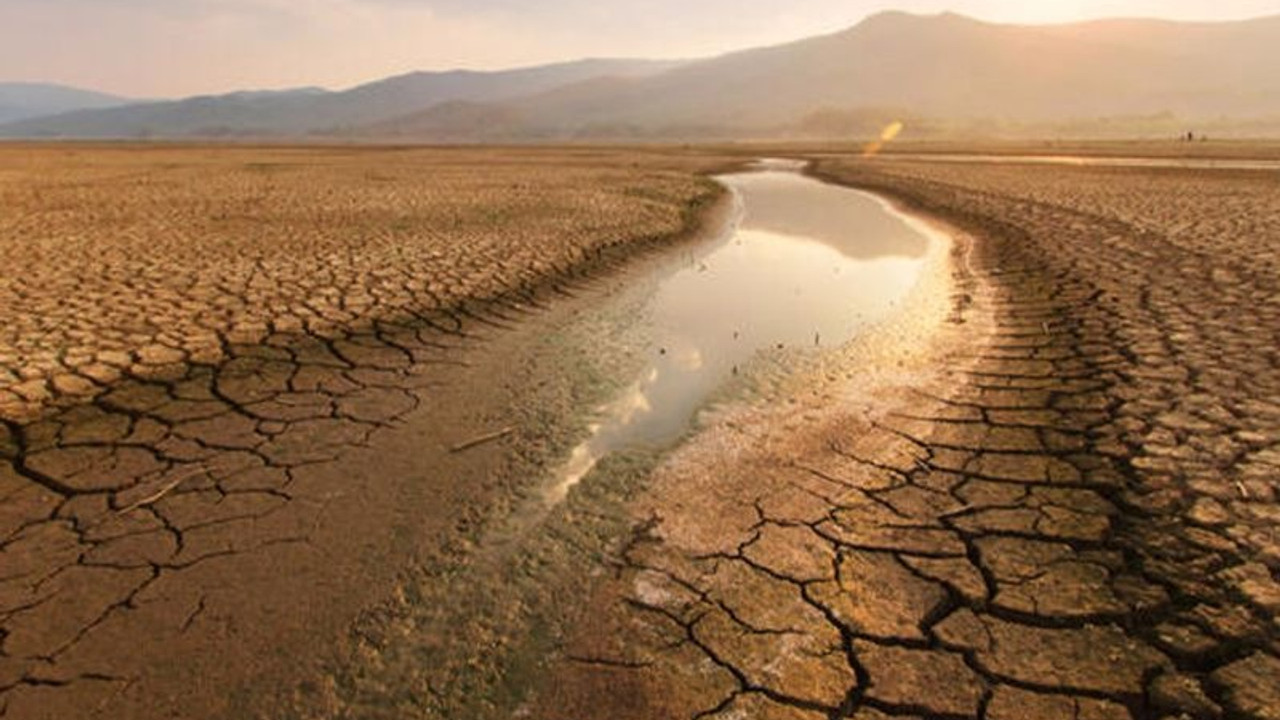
[{"x": 167, "y": 48}]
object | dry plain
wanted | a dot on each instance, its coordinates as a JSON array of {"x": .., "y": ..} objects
[
  {"x": 199, "y": 347},
  {"x": 1062, "y": 502},
  {"x": 131, "y": 262}
]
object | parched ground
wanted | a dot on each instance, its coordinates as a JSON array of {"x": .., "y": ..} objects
[
  {"x": 1067, "y": 508},
  {"x": 133, "y": 261},
  {"x": 215, "y": 365},
  {"x": 230, "y": 380}
]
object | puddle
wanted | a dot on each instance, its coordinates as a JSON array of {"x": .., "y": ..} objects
[{"x": 803, "y": 264}]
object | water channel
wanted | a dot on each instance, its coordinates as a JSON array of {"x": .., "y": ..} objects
[{"x": 800, "y": 264}]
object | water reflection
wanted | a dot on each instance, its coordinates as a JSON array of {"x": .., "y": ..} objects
[
  {"x": 853, "y": 223},
  {"x": 806, "y": 265}
]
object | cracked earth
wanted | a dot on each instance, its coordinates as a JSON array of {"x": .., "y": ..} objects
[
  {"x": 1065, "y": 508},
  {"x": 1062, "y": 505},
  {"x": 203, "y": 355}
]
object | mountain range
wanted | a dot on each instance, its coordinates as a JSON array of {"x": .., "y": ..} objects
[
  {"x": 23, "y": 100},
  {"x": 940, "y": 72}
]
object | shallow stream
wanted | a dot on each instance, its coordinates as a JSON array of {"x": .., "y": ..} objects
[{"x": 800, "y": 264}]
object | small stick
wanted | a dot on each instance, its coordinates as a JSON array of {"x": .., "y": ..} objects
[
  {"x": 497, "y": 435},
  {"x": 157, "y": 495}
]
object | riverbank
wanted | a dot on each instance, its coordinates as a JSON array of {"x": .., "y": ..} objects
[
  {"x": 477, "y": 643},
  {"x": 1068, "y": 513},
  {"x": 713, "y": 604},
  {"x": 227, "y": 517},
  {"x": 137, "y": 261},
  {"x": 1167, "y": 282}
]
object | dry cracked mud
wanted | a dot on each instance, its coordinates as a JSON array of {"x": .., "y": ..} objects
[
  {"x": 1063, "y": 505},
  {"x": 204, "y": 355},
  {"x": 134, "y": 262},
  {"x": 1065, "y": 508}
]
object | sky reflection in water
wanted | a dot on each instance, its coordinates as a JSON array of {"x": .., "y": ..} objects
[{"x": 807, "y": 265}]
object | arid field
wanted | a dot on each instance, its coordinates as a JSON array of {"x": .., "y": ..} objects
[
  {"x": 263, "y": 408},
  {"x": 125, "y": 261},
  {"x": 189, "y": 332}
]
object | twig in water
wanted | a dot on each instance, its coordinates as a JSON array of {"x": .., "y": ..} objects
[{"x": 490, "y": 437}]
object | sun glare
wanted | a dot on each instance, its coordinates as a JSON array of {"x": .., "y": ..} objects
[{"x": 887, "y": 135}]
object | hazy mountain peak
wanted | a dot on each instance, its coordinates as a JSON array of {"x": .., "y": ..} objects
[
  {"x": 902, "y": 18},
  {"x": 935, "y": 71},
  {"x": 309, "y": 90},
  {"x": 309, "y": 111},
  {"x": 20, "y": 100}
]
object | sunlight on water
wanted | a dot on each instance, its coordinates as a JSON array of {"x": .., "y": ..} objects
[{"x": 806, "y": 265}]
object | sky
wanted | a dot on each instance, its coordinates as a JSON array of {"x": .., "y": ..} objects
[{"x": 176, "y": 48}]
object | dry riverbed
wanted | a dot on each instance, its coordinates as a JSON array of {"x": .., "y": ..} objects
[
  {"x": 1063, "y": 506},
  {"x": 232, "y": 379},
  {"x": 1045, "y": 486}
]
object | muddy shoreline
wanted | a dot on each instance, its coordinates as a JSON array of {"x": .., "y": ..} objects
[
  {"x": 1070, "y": 514},
  {"x": 1032, "y": 490},
  {"x": 149, "y": 277},
  {"x": 638, "y": 643},
  {"x": 549, "y": 575},
  {"x": 262, "y": 546}
]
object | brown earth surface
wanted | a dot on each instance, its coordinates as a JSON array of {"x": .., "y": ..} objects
[
  {"x": 230, "y": 381},
  {"x": 138, "y": 261},
  {"x": 1058, "y": 498},
  {"x": 1062, "y": 505}
]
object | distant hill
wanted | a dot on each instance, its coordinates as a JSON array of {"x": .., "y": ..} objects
[
  {"x": 310, "y": 111},
  {"x": 22, "y": 100},
  {"x": 943, "y": 70},
  {"x": 949, "y": 66},
  {"x": 939, "y": 72}
]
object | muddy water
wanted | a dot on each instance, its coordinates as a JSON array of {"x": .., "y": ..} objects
[{"x": 801, "y": 264}]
